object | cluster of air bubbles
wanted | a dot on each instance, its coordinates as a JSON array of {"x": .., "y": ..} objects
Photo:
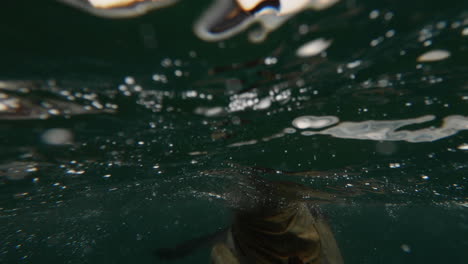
[
  {"x": 431, "y": 79},
  {"x": 159, "y": 77},
  {"x": 173, "y": 68},
  {"x": 395, "y": 165},
  {"x": 18, "y": 170},
  {"x": 281, "y": 95},
  {"x": 60, "y": 186},
  {"x": 270, "y": 60},
  {"x": 239, "y": 102},
  {"x": 151, "y": 99},
  {"x": 22, "y": 103},
  {"x": 381, "y": 82},
  {"x": 130, "y": 86},
  {"x": 385, "y": 16},
  {"x": 175, "y": 65},
  {"x": 92, "y": 98},
  {"x": 388, "y": 34},
  {"x": 74, "y": 168},
  {"x": 376, "y": 14},
  {"x": 193, "y": 94},
  {"x": 168, "y": 63},
  {"x": 251, "y": 100},
  {"x": 429, "y": 32}
]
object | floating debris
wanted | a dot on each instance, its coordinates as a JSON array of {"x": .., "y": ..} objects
[{"x": 434, "y": 55}]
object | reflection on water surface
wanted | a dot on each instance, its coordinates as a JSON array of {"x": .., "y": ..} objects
[{"x": 118, "y": 8}]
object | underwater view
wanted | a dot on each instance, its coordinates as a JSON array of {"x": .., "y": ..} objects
[{"x": 234, "y": 131}]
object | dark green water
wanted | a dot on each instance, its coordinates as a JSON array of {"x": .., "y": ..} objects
[{"x": 193, "y": 117}]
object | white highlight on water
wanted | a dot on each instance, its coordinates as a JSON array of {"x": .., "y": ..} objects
[
  {"x": 313, "y": 48},
  {"x": 465, "y": 32},
  {"x": 463, "y": 146},
  {"x": 304, "y": 122},
  {"x": 111, "y": 3},
  {"x": 434, "y": 55}
]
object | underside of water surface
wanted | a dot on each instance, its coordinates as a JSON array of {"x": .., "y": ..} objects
[{"x": 139, "y": 132}]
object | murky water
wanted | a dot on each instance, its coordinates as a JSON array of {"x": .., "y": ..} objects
[{"x": 143, "y": 139}]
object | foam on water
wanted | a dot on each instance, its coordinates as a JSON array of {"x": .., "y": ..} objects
[{"x": 387, "y": 130}]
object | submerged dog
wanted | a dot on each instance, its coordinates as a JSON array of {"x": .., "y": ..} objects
[
  {"x": 272, "y": 225},
  {"x": 294, "y": 233}
]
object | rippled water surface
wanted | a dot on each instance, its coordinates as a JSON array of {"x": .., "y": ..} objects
[{"x": 122, "y": 136}]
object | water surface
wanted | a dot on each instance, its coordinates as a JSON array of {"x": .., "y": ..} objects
[{"x": 119, "y": 137}]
